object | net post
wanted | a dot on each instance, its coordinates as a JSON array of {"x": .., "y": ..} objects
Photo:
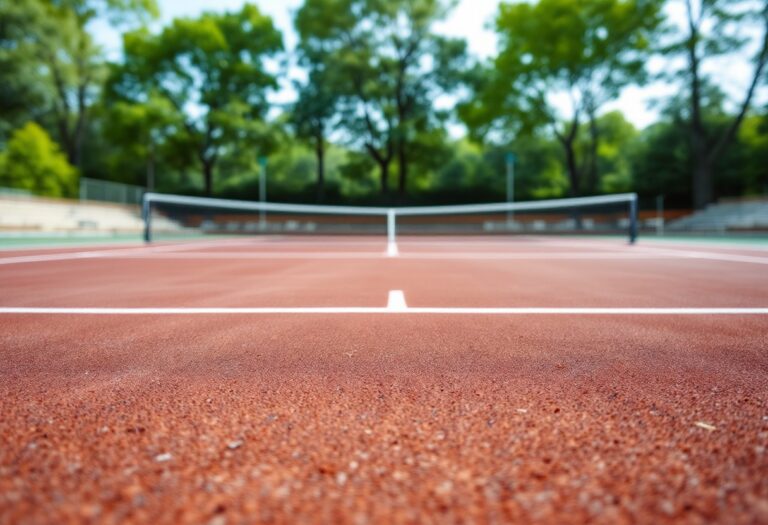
[
  {"x": 633, "y": 219},
  {"x": 146, "y": 211},
  {"x": 391, "y": 234}
]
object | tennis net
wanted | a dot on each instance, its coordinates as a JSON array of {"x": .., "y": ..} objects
[{"x": 174, "y": 216}]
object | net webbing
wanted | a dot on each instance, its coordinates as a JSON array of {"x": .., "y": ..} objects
[{"x": 176, "y": 215}]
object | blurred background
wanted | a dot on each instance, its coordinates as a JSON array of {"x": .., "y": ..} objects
[{"x": 381, "y": 102}]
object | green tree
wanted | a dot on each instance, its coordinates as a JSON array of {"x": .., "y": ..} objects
[
  {"x": 581, "y": 52},
  {"x": 716, "y": 28},
  {"x": 617, "y": 138},
  {"x": 753, "y": 135},
  {"x": 213, "y": 71},
  {"x": 662, "y": 158},
  {"x": 661, "y": 163},
  {"x": 141, "y": 131},
  {"x": 48, "y": 41},
  {"x": 32, "y": 161},
  {"x": 313, "y": 114},
  {"x": 421, "y": 65},
  {"x": 22, "y": 95},
  {"x": 390, "y": 65}
]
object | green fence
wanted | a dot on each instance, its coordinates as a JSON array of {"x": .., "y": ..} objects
[{"x": 106, "y": 191}]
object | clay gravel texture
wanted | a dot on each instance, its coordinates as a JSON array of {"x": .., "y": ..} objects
[
  {"x": 392, "y": 420},
  {"x": 395, "y": 418}
]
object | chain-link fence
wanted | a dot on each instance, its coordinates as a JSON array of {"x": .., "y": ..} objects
[
  {"x": 106, "y": 191},
  {"x": 14, "y": 192}
]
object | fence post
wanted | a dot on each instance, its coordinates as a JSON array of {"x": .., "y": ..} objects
[
  {"x": 146, "y": 212},
  {"x": 633, "y": 219}
]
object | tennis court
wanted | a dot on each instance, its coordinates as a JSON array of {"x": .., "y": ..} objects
[{"x": 476, "y": 378}]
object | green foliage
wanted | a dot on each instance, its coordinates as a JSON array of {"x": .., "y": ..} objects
[
  {"x": 584, "y": 51},
  {"x": 315, "y": 107},
  {"x": 50, "y": 68},
  {"x": 716, "y": 29},
  {"x": 211, "y": 70},
  {"x": 753, "y": 139},
  {"x": 618, "y": 138},
  {"x": 661, "y": 158},
  {"x": 384, "y": 64},
  {"x": 32, "y": 161},
  {"x": 465, "y": 171},
  {"x": 117, "y": 11},
  {"x": 661, "y": 163},
  {"x": 21, "y": 93},
  {"x": 137, "y": 139},
  {"x": 188, "y": 102}
]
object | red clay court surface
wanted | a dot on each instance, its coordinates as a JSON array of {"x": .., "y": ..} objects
[{"x": 288, "y": 381}]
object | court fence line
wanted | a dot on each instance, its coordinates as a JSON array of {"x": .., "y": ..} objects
[{"x": 109, "y": 191}]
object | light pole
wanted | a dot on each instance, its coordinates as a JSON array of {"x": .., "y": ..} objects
[
  {"x": 263, "y": 192},
  {"x": 510, "y": 186}
]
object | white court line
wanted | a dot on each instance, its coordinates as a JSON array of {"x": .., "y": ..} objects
[
  {"x": 256, "y": 255},
  {"x": 171, "y": 252},
  {"x": 108, "y": 252},
  {"x": 713, "y": 256},
  {"x": 396, "y": 301},
  {"x": 386, "y": 310},
  {"x": 650, "y": 241},
  {"x": 591, "y": 242},
  {"x": 452, "y": 241},
  {"x": 401, "y": 255},
  {"x": 149, "y": 251}
]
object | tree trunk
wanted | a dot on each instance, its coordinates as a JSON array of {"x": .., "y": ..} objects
[
  {"x": 69, "y": 148},
  {"x": 66, "y": 139},
  {"x": 402, "y": 159},
  {"x": 151, "y": 167},
  {"x": 593, "y": 176},
  {"x": 320, "y": 153},
  {"x": 73, "y": 146},
  {"x": 703, "y": 184},
  {"x": 384, "y": 174},
  {"x": 208, "y": 177},
  {"x": 706, "y": 151},
  {"x": 567, "y": 141},
  {"x": 80, "y": 125},
  {"x": 703, "y": 181},
  {"x": 574, "y": 177},
  {"x": 79, "y": 138},
  {"x": 383, "y": 162}
]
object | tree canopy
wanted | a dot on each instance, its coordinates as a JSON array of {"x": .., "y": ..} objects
[
  {"x": 388, "y": 108},
  {"x": 715, "y": 29},
  {"x": 212, "y": 71},
  {"x": 585, "y": 52},
  {"x": 32, "y": 161},
  {"x": 386, "y": 64}
]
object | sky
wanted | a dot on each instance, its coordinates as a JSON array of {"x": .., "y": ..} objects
[{"x": 471, "y": 19}]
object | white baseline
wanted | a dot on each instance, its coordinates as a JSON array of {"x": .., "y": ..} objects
[{"x": 394, "y": 308}]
